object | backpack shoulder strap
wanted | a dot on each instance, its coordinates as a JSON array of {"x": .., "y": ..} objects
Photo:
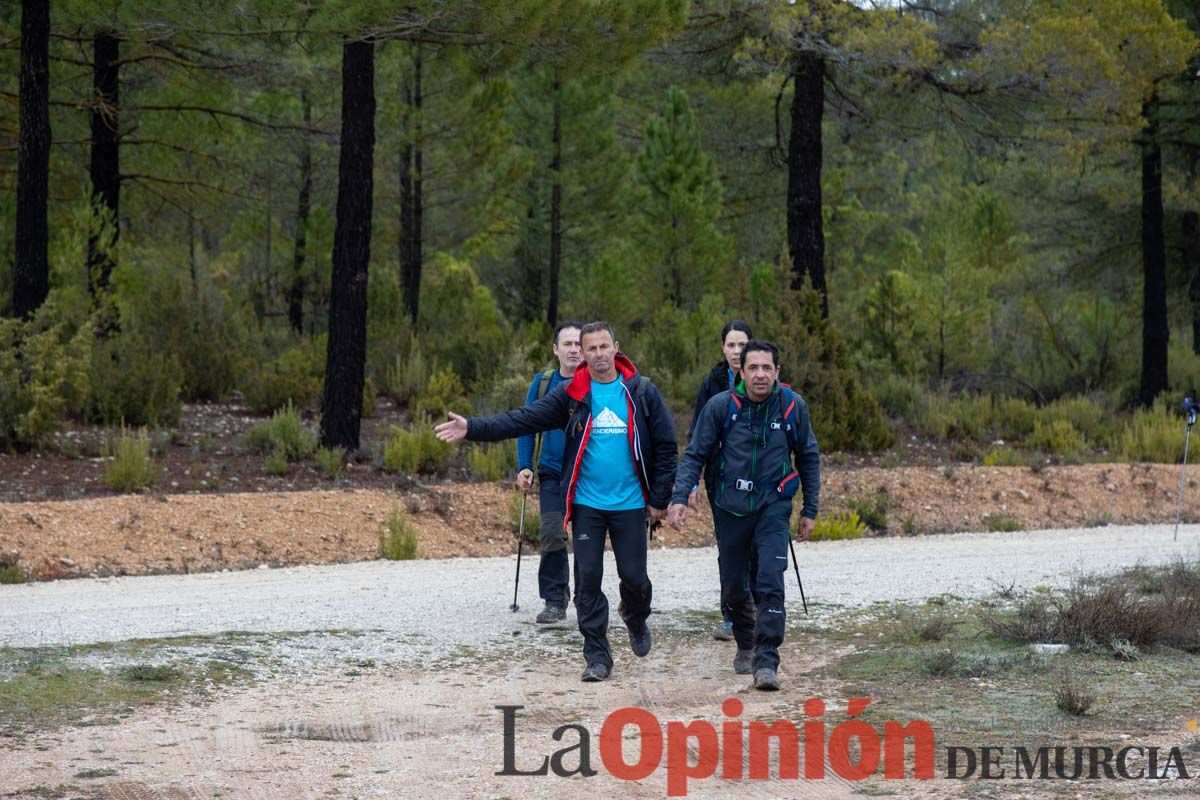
[
  {"x": 544, "y": 383},
  {"x": 735, "y": 408},
  {"x": 787, "y": 400}
]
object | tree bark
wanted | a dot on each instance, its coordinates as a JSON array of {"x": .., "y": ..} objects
[
  {"x": 1191, "y": 265},
  {"x": 345, "y": 364},
  {"x": 105, "y": 168},
  {"x": 31, "y": 270},
  {"x": 411, "y": 189},
  {"x": 555, "y": 204},
  {"x": 806, "y": 236},
  {"x": 297, "y": 288},
  {"x": 1155, "y": 332}
]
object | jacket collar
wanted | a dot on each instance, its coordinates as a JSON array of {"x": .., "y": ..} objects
[{"x": 581, "y": 384}]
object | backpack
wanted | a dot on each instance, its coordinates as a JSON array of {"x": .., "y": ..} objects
[{"x": 787, "y": 399}]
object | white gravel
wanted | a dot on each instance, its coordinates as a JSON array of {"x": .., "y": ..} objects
[{"x": 450, "y": 604}]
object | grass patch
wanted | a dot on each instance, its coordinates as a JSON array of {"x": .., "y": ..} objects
[
  {"x": 131, "y": 467},
  {"x": 491, "y": 462},
  {"x": 837, "y": 526},
  {"x": 1071, "y": 698},
  {"x": 533, "y": 517},
  {"x": 397, "y": 537},
  {"x": 416, "y": 450},
  {"x": 1137, "y": 608},
  {"x": 10, "y": 569},
  {"x": 284, "y": 434},
  {"x": 45, "y": 691},
  {"x": 873, "y": 510},
  {"x": 1002, "y": 524},
  {"x": 329, "y": 460}
]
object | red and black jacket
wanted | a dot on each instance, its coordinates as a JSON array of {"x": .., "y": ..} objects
[{"x": 569, "y": 407}]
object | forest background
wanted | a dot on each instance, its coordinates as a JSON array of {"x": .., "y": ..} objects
[{"x": 974, "y": 219}]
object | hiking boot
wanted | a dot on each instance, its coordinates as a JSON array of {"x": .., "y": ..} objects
[
  {"x": 595, "y": 673},
  {"x": 765, "y": 680},
  {"x": 743, "y": 662},
  {"x": 639, "y": 641},
  {"x": 724, "y": 631},
  {"x": 551, "y": 613}
]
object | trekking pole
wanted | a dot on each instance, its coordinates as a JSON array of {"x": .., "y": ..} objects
[
  {"x": 803, "y": 600},
  {"x": 520, "y": 547},
  {"x": 1189, "y": 408}
]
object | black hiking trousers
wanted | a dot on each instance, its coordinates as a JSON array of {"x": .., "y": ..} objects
[{"x": 763, "y": 534}]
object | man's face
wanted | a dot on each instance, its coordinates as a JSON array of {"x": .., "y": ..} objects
[
  {"x": 599, "y": 350},
  {"x": 568, "y": 350},
  {"x": 759, "y": 371}
]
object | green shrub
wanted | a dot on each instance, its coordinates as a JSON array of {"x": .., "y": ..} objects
[
  {"x": 43, "y": 376},
  {"x": 533, "y": 517},
  {"x": 133, "y": 381},
  {"x": 131, "y": 467},
  {"x": 294, "y": 377},
  {"x": 838, "y": 525},
  {"x": 1154, "y": 435},
  {"x": 10, "y": 569},
  {"x": 491, "y": 462},
  {"x": 941, "y": 663},
  {"x": 397, "y": 537},
  {"x": 1058, "y": 437},
  {"x": 275, "y": 463},
  {"x": 1003, "y": 524},
  {"x": 444, "y": 393},
  {"x": 405, "y": 377},
  {"x": 1089, "y": 416},
  {"x": 1072, "y": 698},
  {"x": 1012, "y": 417},
  {"x": 872, "y": 510},
  {"x": 369, "y": 397},
  {"x": 330, "y": 461},
  {"x": 284, "y": 434},
  {"x": 1005, "y": 457},
  {"x": 416, "y": 450},
  {"x": 900, "y": 397}
]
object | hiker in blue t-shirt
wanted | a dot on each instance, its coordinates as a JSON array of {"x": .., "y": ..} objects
[
  {"x": 761, "y": 437},
  {"x": 619, "y": 464},
  {"x": 553, "y": 566}
]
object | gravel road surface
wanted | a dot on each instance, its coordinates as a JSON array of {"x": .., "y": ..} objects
[{"x": 423, "y": 596}]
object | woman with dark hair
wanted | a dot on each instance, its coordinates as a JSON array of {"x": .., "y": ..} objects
[{"x": 722, "y": 377}]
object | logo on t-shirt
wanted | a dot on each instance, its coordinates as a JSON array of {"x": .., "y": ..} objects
[{"x": 606, "y": 422}]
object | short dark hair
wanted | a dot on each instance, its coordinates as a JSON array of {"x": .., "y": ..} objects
[
  {"x": 736, "y": 325},
  {"x": 761, "y": 346},
  {"x": 562, "y": 326},
  {"x": 596, "y": 327}
]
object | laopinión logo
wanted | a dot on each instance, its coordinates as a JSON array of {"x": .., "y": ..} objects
[{"x": 742, "y": 749}]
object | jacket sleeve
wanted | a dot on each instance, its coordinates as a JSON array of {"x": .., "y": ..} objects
[
  {"x": 701, "y": 446},
  {"x": 525, "y": 443},
  {"x": 545, "y": 414},
  {"x": 665, "y": 448},
  {"x": 808, "y": 460}
]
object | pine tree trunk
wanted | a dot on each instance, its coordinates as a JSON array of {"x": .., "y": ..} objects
[
  {"x": 297, "y": 288},
  {"x": 806, "y": 236},
  {"x": 31, "y": 270},
  {"x": 1155, "y": 332},
  {"x": 105, "y": 168},
  {"x": 345, "y": 364},
  {"x": 1191, "y": 266},
  {"x": 555, "y": 205},
  {"x": 411, "y": 188}
]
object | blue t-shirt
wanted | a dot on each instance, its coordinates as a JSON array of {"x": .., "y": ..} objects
[
  {"x": 553, "y": 441},
  {"x": 607, "y": 478}
]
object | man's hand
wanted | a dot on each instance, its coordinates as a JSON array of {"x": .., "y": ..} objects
[
  {"x": 525, "y": 480},
  {"x": 677, "y": 515},
  {"x": 805, "y": 528},
  {"x": 656, "y": 514},
  {"x": 453, "y": 431}
]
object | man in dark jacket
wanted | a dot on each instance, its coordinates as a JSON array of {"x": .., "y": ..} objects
[
  {"x": 756, "y": 436},
  {"x": 619, "y": 459}
]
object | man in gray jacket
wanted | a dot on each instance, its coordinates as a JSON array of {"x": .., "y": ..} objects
[{"x": 754, "y": 432}]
